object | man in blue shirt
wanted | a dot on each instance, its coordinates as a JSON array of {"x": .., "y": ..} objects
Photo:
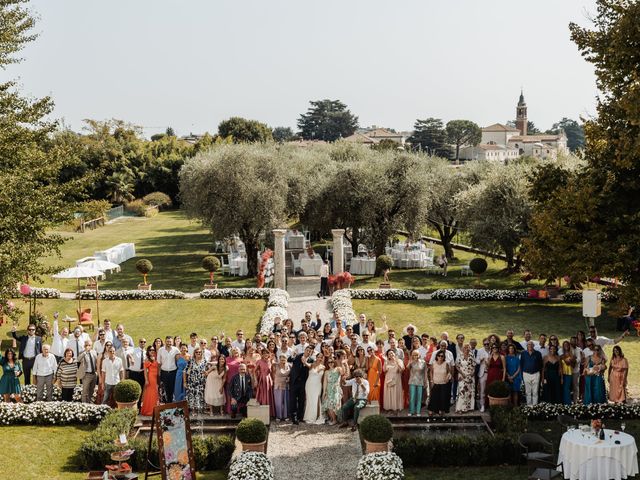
[{"x": 531, "y": 365}]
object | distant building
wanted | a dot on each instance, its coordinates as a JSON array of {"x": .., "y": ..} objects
[{"x": 374, "y": 135}]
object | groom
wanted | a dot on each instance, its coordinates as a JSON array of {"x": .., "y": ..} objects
[{"x": 297, "y": 380}]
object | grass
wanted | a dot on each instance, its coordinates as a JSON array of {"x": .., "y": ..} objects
[
  {"x": 159, "y": 318},
  {"x": 483, "y": 318},
  {"x": 174, "y": 244},
  {"x": 50, "y": 453}
]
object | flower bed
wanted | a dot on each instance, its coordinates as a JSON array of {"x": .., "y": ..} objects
[
  {"x": 131, "y": 294},
  {"x": 549, "y": 411},
  {"x": 575, "y": 296},
  {"x": 380, "y": 466},
  {"x": 343, "y": 306},
  {"x": 473, "y": 294},
  {"x": 276, "y": 307},
  {"x": 28, "y": 393},
  {"x": 51, "y": 413},
  {"x": 37, "y": 292},
  {"x": 278, "y": 298},
  {"x": 383, "y": 294},
  {"x": 246, "y": 293},
  {"x": 251, "y": 466}
]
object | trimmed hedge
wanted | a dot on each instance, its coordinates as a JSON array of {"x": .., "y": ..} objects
[
  {"x": 376, "y": 429},
  {"x": 248, "y": 293},
  {"x": 211, "y": 453},
  {"x": 131, "y": 294},
  {"x": 383, "y": 294},
  {"x": 457, "y": 451}
]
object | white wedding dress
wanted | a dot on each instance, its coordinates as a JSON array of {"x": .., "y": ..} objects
[{"x": 313, "y": 393}]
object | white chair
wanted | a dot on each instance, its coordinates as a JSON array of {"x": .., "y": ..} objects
[
  {"x": 225, "y": 264},
  {"x": 234, "y": 268},
  {"x": 465, "y": 270},
  {"x": 295, "y": 264}
]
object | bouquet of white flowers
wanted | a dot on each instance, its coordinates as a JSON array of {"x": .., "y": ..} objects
[
  {"x": 380, "y": 466},
  {"x": 251, "y": 466}
]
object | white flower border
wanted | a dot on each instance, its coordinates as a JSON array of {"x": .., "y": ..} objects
[
  {"x": 251, "y": 466},
  {"x": 380, "y": 466},
  {"x": 131, "y": 294},
  {"x": 477, "y": 294},
  {"x": 38, "y": 292},
  {"x": 247, "y": 293},
  {"x": 342, "y": 305},
  {"x": 383, "y": 294},
  {"x": 550, "y": 411},
  {"x": 277, "y": 305},
  {"x": 28, "y": 393},
  {"x": 51, "y": 413}
]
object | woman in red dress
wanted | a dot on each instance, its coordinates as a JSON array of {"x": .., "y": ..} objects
[
  {"x": 150, "y": 397},
  {"x": 264, "y": 390},
  {"x": 496, "y": 367}
]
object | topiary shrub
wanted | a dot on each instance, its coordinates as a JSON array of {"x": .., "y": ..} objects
[
  {"x": 498, "y": 389},
  {"x": 136, "y": 207},
  {"x": 127, "y": 391},
  {"x": 384, "y": 262},
  {"x": 376, "y": 429},
  {"x": 144, "y": 266},
  {"x": 158, "y": 199},
  {"x": 251, "y": 430},
  {"x": 211, "y": 264},
  {"x": 478, "y": 265}
]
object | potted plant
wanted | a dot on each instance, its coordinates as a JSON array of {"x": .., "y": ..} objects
[
  {"x": 499, "y": 394},
  {"x": 252, "y": 434},
  {"x": 210, "y": 264},
  {"x": 126, "y": 393},
  {"x": 144, "y": 266},
  {"x": 376, "y": 431},
  {"x": 478, "y": 265}
]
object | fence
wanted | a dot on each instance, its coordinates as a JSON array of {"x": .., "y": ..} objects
[{"x": 115, "y": 212}]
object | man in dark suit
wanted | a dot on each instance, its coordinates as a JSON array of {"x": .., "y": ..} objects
[
  {"x": 30, "y": 346},
  {"x": 361, "y": 325},
  {"x": 241, "y": 391},
  {"x": 297, "y": 380}
]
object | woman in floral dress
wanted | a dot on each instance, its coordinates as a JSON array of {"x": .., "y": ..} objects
[
  {"x": 331, "y": 391},
  {"x": 195, "y": 380},
  {"x": 264, "y": 389},
  {"x": 466, "y": 369}
]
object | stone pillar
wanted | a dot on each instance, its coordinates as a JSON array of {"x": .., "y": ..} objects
[
  {"x": 338, "y": 250},
  {"x": 279, "y": 280}
]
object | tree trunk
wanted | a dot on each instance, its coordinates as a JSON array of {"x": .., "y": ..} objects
[
  {"x": 252, "y": 248},
  {"x": 446, "y": 234},
  {"x": 379, "y": 248}
]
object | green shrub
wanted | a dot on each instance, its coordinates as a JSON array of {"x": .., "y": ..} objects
[
  {"x": 384, "y": 262},
  {"x": 498, "y": 389},
  {"x": 127, "y": 391},
  {"x": 459, "y": 450},
  {"x": 376, "y": 429},
  {"x": 508, "y": 420},
  {"x": 251, "y": 430},
  {"x": 137, "y": 207},
  {"x": 144, "y": 266},
  {"x": 93, "y": 209},
  {"x": 211, "y": 453},
  {"x": 158, "y": 199},
  {"x": 211, "y": 263},
  {"x": 478, "y": 265}
]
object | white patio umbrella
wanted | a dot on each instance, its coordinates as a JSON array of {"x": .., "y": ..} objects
[
  {"x": 102, "y": 265},
  {"x": 77, "y": 273}
]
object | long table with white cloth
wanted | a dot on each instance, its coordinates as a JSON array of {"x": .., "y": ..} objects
[
  {"x": 118, "y": 254},
  {"x": 310, "y": 266},
  {"x": 585, "y": 457},
  {"x": 362, "y": 266}
]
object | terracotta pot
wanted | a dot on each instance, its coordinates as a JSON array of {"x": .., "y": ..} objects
[
  {"x": 122, "y": 405},
  {"x": 373, "y": 447},
  {"x": 254, "y": 447},
  {"x": 210, "y": 286},
  {"x": 499, "y": 402},
  {"x": 142, "y": 286}
]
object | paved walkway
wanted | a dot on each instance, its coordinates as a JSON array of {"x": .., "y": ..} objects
[
  {"x": 309, "y": 452},
  {"x": 303, "y": 297}
]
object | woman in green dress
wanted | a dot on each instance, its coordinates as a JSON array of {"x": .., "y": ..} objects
[
  {"x": 11, "y": 371},
  {"x": 332, "y": 391}
]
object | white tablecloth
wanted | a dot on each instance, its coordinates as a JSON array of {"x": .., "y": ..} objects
[
  {"x": 363, "y": 266},
  {"x": 584, "y": 457},
  {"x": 241, "y": 263},
  {"x": 118, "y": 254},
  {"x": 310, "y": 266},
  {"x": 296, "y": 241}
]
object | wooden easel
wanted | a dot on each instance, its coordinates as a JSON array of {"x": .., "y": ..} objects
[{"x": 148, "y": 463}]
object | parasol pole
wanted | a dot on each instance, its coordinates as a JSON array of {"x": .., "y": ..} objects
[
  {"x": 97, "y": 303},
  {"x": 79, "y": 307}
]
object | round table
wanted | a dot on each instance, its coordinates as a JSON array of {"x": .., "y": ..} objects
[{"x": 585, "y": 457}]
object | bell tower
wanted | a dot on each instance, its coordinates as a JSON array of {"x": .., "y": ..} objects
[{"x": 521, "y": 115}]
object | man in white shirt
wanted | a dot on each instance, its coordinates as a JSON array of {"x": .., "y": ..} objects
[
  {"x": 125, "y": 353},
  {"x": 77, "y": 341},
  {"x": 527, "y": 339},
  {"x": 448, "y": 356},
  {"x": 99, "y": 344},
  {"x": 206, "y": 353},
  {"x": 575, "y": 376},
  {"x": 44, "y": 367},
  {"x": 239, "y": 342},
  {"x": 108, "y": 331},
  {"x": 119, "y": 336},
  {"x": 602, "y": 341},
  {"x": 60, "y": 340},
  {"x": 112, "y": 373},
  {"x": 482, "y": 360},
  {"x": 302, "y": 343},
  {"x": 365, "y": 343},
  {"x": 136, "y": 367},
  {"x": 542, "y": 345},
  {"x": 324, "y": 279},
  {"x": 285, "y": 349},
  {"x": 390, "y": 334},
  {"x": 354, "y": 344},
  {"x": 360, "y": 327},
  {"x": 359, "y": 394},
  {"x": 193, "y": 343},
  {"x": 168, "y": 368}
]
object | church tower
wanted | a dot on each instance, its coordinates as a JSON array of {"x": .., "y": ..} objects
[{"x": 521, "y": 115}]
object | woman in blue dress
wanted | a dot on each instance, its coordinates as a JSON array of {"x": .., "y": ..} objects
[
  {"x": 182, "y": 361},
  {"x": 594, "y": 390},
  {"x": 514, "y": 373},
  {"x": 11, "y": 371}
]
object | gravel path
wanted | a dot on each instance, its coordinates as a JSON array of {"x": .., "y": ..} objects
[{"x": 309, "y": 452}]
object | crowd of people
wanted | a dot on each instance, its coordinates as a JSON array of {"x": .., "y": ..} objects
[{"x": 323, "y": 372}]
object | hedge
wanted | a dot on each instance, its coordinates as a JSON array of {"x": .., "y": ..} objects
[
  {"x": 211, "y": 453},
  {"x": 247, "y": 293},
  {"x": 383, "y": 294},
  {"x": 131, "y": 294}
]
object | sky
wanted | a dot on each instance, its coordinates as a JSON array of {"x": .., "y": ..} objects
[{"x": 190, "y": 64}]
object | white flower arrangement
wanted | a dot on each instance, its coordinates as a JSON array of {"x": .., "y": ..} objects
[
  {"x": 51, "y": 413},
  {"x": 276, "y": 307},
  {"x": 247, "y": 293},
  {"x": 131, "y": 294},
  {"x": 251, "y": 466},
  {"x": 28, "y": 394},
  {"x": 575, "y": 296},
  {"x": 37, "y": 292},
  {"x": 383, "y": 294},
  {"x": 476, "y": 295},
  {"x": 278, "y": 298},
  {"x": 380, "y": 466},
  {"x": 550, "y": 411},
  {"x": 342, "y": 305}
]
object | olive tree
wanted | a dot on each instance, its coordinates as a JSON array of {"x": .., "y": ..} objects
[{"x": 237, "y": 189}]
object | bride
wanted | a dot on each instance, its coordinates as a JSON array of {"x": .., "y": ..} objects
[{"x": 313, "y": 392}]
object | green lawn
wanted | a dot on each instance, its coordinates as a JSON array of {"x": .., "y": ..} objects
[
  {"x": 480, "y": 319},
  {"x": 50, "y": 453},
  {"x": 159, "y": 318},
  {"x": 174, "y": 244}
]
